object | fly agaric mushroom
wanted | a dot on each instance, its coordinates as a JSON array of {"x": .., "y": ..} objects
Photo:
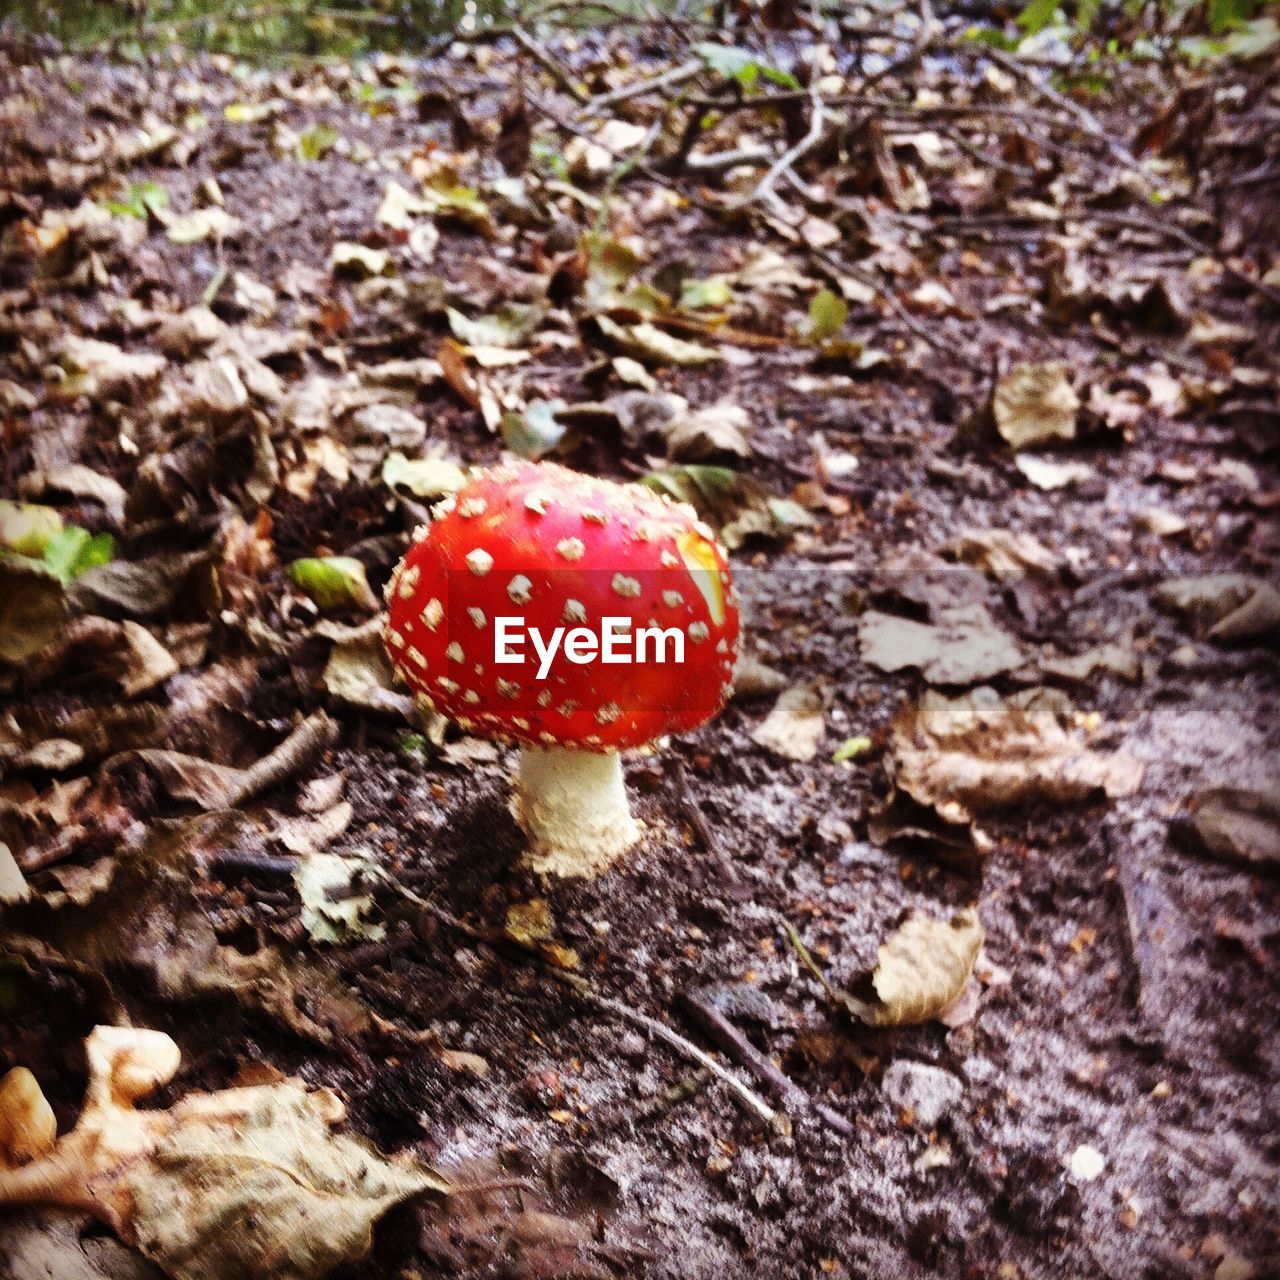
[{"x": 577, "y": 617}]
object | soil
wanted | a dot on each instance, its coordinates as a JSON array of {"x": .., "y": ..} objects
[{"x": 1128, "y": 999}]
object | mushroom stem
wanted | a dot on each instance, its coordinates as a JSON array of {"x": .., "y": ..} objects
[{"x": 573, "y": 807}]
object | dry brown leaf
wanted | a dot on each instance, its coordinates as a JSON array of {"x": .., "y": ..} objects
[
  {"x": 981, "y": 752},
  {"x": 795, "y": 725},
  {"x": 923, "y": 967},
  {"x": 248, "y": 1181},
  {"x": 1236, "y": 824},
  {"x": 1003, "y": 553},
  {"x": 1035, "y": 404},
  {"x": 962, "y": 647}
]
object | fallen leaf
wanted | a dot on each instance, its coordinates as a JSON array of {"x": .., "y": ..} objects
[
  {"x": 334, "y": 582},
  {"x": 963, "y": 645},
  {"x": 249, "y": 1181},
  {"x": 358, "y": 261},
  {"x": 1035, "y": 404},
  {"x": 923, "y": 967},
  {"x": 99, "y": 369},
  {"x": 33, "y": 608},
  {"x": 795, "y": 725},
  {"x": 1234, "y": 823},
  {"x": 981, "y": 752},
  {"x": 202, "y": 224},
  {"x": 1224, "y": 606},
  {"x": 1045, "y": 473},
  {"x": 712, "y": 432},
  {"x": 1116, "y": 659},
  {"x": 334, "y": 908},
  {"x": 646, "y": 341},
  {"x": 1002, "y": 553},
  {"x": 428, "y": 477}
]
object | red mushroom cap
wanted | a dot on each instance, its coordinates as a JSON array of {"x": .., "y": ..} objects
[{"x": 552, "y": 548}]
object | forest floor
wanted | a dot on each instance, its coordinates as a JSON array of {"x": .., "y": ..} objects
[{"x": 990, "y": 378}]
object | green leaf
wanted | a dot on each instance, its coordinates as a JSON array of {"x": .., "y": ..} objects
[
  {"x": 743, "y": 66},
  {"x": 27, "y": 528},
  {"x": 247, "y": 112},
  {"x": 851, "y": 749},
  {"x": 333, "y": 582},
  {"x": 714, "y": 291},
  {"x": 534, "y": 432},
  {"x": 315, "y": 140},
  {"x": 141, "y": 199},
  {"x": 1037, "y": 15},
  {"x": 73, "y": 551},
  {"x": 827, "y": 315}
]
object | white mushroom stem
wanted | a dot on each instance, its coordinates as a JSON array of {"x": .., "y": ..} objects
[{"x": 573, "y": 807}]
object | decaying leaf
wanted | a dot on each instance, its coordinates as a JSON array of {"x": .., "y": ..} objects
[
  {"x": 248, "y": 1181},
  {"x": 1002, "y": 553},
  {"x": 1046, "y": 473},
  {"x": 1235, "y": 823},
  {"x": 359, "y": 261},
  {"x": 962, "y": 646},
  {"x": 427, "y": 477},
  {"x": 33, "y": 608},
  {"x": 1229, "y": 607},
  {"x": 646, "y": 341},
  {"x": 921, "y": 970},
  {"x": 1035, "y": 404},
  {"x": 980, "y": 752},
  {"x": 337, "y": 898},
  {"x": 795, "y": 725},
  {"x": 923, "y": 967},
  {"x": 713, "y": 432}
]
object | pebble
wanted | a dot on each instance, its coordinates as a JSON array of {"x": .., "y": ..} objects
[{"x": 928, "y": 1092}]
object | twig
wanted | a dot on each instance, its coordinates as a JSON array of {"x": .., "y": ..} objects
[
  {"x": 749, "y": 1100},
  {"x": 733, "y": 1042},
  {"x": 313, "y": 736},
  {"x": 549, "y": 64},
  {"x": 676, "y": 75},
  {"x": 764, "y": 191}
]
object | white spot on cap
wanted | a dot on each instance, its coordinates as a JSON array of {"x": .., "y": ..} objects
[
  {"x": 592, "y": 516},
  {"x": 479, "y": 562},
  {"x": 698, "y": 632},
  {"x": 520, "y": 589},
  {"x": 571, "y": 548},
  {"x": 705, "y": 530},
  {"x": 471, "y": 697},
  {"x": 567, "y": 708},
  {"x": 593, "y": 740},
  {"x": 520, "y": 723},
  {"x": 508, "y": 689},
  {"x": 414, "y": 654},
  {"x": 432, "y": 614},
  {"x": 544, "y": 698},
  {"x": 670, "y": 561},
  {"x": 477, "y": 616},
  {"x": 454, "y": 652},
  {"x": 627, "y": 588},
  {"x": 549, "y": 738},
  {"x": 465, "y": 723},
  {"x": 643, "y": 532},
  {"x": 449, "y": 686},
  {"x": 443, "y": 508},
  {"x": 408, "y": 581},
  {"x": 537, "y": 503},
  {"x": 419, "y": 534},
  {"x": 608, "y": 713},
  {"x": 469, "y": 507},
  {"x": 395, "y": 638},
  {"x": 673, "y": 599},
  {"x": 722, "y": 645},
  {"x": 574, "y": 611}
]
